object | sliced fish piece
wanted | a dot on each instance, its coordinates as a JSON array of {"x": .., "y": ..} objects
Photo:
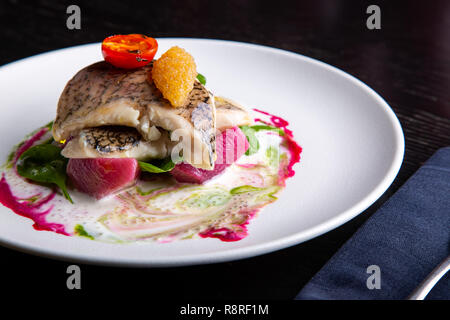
[
  {"x": 197, "y": 146},
  {"x": 101, "y": 95},
  {"x": 127, "y": 142},
  {"x": 101, "y": 177},
  {"x": 230, "y": 114},
  {"x": 116, "y": 142}
]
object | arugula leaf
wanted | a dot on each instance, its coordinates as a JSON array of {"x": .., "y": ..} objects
[
  {"x": 44, "y": 163},
  {"x": 252, "y": 140},
  {"x": 201, "y": 78},
  {"x": 160, "y": 166}
]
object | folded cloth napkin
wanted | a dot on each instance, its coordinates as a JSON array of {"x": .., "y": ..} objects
[{"x": 406, "y": 238}]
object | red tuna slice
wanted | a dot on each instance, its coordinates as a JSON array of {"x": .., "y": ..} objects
[
  {"x": 231, "y": 144},
  {"x": 102, "y": 176}
]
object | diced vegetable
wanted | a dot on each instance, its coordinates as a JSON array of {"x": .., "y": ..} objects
[{"x": 100, "y": 177}]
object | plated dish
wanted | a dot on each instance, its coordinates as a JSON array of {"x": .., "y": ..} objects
[
  {"x": 352, "y": 148},
  {"x": 141, "y": 150}
]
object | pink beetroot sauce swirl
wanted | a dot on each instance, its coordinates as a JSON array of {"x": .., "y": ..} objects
[
  {"x": 228, "y": 235},
  {"x": 293, "y": 148},
  {"x": 26, "y": 208}
]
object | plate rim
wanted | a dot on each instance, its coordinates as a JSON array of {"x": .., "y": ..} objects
[{"x": 255, "y": 249}]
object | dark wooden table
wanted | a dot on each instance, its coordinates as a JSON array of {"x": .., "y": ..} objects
[{"x": 407, "y": 62}]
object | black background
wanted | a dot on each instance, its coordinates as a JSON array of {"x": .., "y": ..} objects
[{"x": 407, "y": 62}]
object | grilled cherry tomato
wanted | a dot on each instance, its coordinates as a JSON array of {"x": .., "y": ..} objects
[{"x": 129, "y": 51}]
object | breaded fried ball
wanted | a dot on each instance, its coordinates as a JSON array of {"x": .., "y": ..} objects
[{"x": 174, "y": 74}]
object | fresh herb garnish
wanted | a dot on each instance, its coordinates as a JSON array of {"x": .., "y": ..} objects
[
  {"x": 158, "y": 166},
  {"x": 266, "y": 127},
  {"x": 250, "y": 133},
  {"x": 201, "y": 78},
  {"x": 80, "y": 231},
  {"x": 244, "y": 189},
  {"x": 44, "y": 163},
  {"x": 253, "y": 143}
]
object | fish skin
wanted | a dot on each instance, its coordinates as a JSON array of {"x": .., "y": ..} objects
[
  {"x": 91, "y": 98},
  {"x": 101, "y": 95},
  {"x": 126, "y": 142},
  {"x": 199, "y": 112},
  {"x": 116, "y": 142}
]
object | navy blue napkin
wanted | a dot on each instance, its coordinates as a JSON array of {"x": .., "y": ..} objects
[{"x": 406, "y": 238}]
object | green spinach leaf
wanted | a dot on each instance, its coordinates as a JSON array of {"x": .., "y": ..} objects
[
  {"x": 158, "y": 166},
  {"x": 44, "y": 163}
]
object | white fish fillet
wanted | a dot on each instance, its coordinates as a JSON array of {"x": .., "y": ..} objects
[
  {"x": 116, "y": 142},
  {"x": 101, "y": 95},
  {"x": 230, "y": 114},
  {"x": 101, "y": 105}
]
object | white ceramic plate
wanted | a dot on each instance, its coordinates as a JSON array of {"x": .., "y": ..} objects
[{"x": 352, "y": 147}]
